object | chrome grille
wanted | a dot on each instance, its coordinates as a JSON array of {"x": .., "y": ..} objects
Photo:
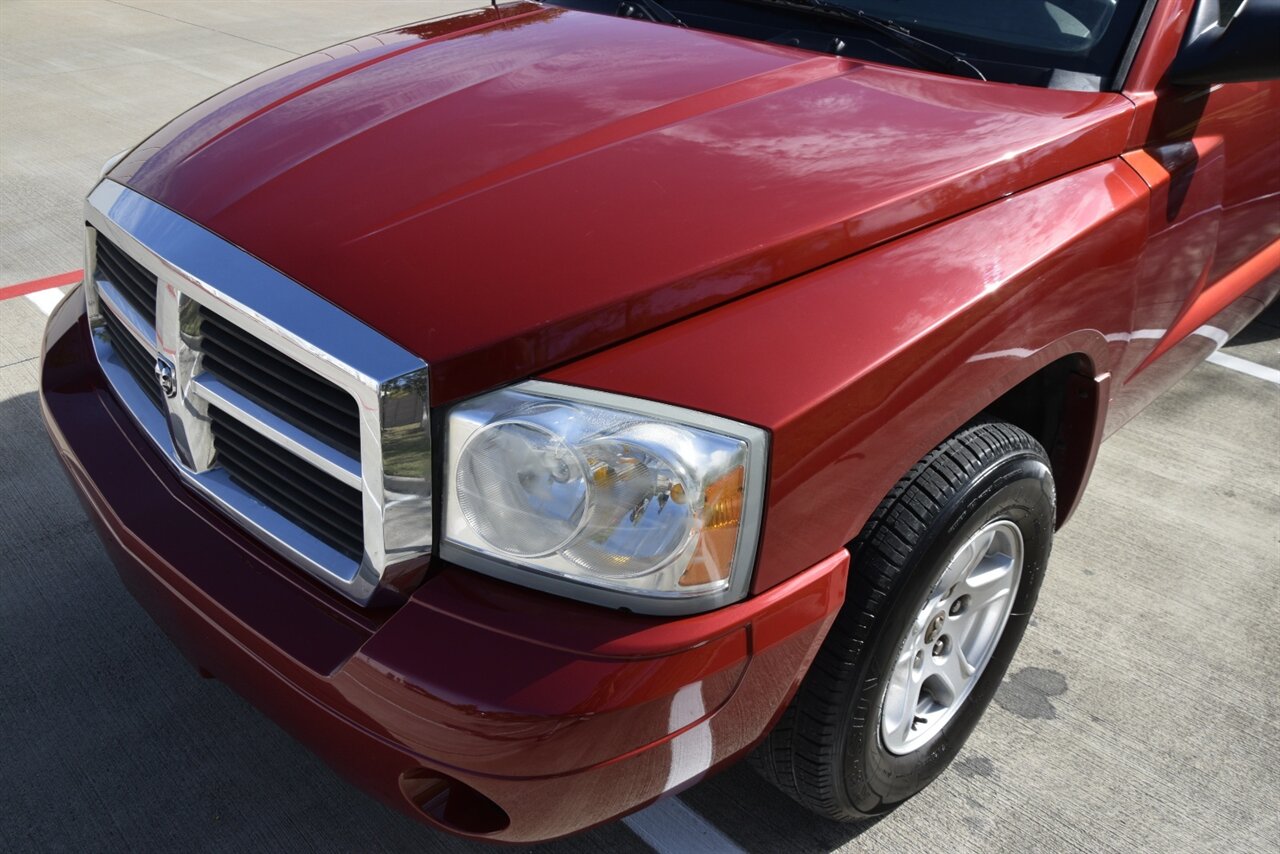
[
  {"x": 137, "y": 358},
  {"x": 318, "y": 502},
  {"x": 134, "y": 282},
  {"x": 300, "y": 422},
  {"x": 273, "y": 381}
]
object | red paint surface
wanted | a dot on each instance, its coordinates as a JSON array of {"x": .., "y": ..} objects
[
  {"x": 23, "y": 288},
  {"x": 505, "y": 200},
  {"x": 899, "y": 346},
  {"x": 1211, "y": 158},
  {"x": 532, "y": 191},
  {"x": 490, "y": 684}
]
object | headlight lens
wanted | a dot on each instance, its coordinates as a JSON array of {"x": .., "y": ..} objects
[
  {"x": 603, "y": 497},
  {"x": 521, "y": 488}
]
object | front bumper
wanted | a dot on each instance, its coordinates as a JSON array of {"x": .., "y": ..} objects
[{"x": 482, "y": 708}]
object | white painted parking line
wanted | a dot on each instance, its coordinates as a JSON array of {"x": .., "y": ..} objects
[
  {"x": 1244, "y": 366},
  {"x": 48, "y": 300},
  {"x": 670, "y": 827}
]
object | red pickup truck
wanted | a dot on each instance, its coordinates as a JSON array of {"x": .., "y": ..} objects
[{"x": 536, "y": 409}]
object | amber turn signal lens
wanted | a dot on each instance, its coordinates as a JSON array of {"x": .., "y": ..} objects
[{"x": 721, "y": 523}]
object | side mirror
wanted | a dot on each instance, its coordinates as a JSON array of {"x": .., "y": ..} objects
[{"x": 1229, "y": 41}]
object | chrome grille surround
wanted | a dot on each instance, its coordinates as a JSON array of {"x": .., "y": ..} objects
[{"x": 197, "y": 269}]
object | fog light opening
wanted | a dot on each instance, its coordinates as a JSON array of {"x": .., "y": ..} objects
[{"x": 453, "y": 805}]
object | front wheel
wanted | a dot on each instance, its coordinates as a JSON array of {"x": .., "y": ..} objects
[{"x": 943, "y": 579}]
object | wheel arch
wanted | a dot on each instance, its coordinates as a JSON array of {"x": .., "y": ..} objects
[
  {"x": 1062, "y": 404},
  {"x": 1058, "y": 394}
]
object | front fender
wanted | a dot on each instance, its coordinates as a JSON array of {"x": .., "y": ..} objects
[{"x": 858, "y": 369}]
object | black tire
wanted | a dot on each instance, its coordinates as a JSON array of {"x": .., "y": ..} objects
[{"x": 827, "y": 751}]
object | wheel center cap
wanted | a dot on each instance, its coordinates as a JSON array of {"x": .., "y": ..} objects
[{"x": 935, "y": 626}]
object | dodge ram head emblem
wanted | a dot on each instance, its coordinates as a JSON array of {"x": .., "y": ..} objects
[{"x": 166, "y": 377}]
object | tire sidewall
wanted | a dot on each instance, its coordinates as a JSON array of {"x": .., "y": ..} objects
[{"x": 1017, "y": 487}]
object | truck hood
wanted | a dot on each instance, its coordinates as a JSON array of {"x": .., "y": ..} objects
[{"x": 508, "y": 189}]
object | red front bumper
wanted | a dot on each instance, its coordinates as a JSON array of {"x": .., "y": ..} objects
[{"x": 482, "y": 708}]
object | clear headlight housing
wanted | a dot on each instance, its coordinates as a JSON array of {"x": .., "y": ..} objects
[{"x": 602, "y": 497}]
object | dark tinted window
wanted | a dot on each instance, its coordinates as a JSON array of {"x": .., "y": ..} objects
[{"x": 1063, "y": 44}]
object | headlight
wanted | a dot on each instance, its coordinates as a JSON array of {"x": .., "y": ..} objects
[{"x": 607, "y": 498}]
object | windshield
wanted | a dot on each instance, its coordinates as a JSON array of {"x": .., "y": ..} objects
[
  {"x": 1063, "y": 44},
  {"x": 1054, "y": 26},
  {"x": 1079, "y": 41}
]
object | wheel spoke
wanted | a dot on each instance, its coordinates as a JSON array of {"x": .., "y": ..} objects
[
  {"x": 964, "y": 561},
  {"x": 991, "y": 580},
  {"x": 902, "y": 696},
  {"x": 983, "y": 598},
  {"x": 954, "y": 672},
  {"x": 958, "y": 626}
]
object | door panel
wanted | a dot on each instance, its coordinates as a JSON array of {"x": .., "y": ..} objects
[
  {"x": 1247, "y": 117},
  {"x": 1186, "y": 181},
  {"x": 1212, "y": 160}
]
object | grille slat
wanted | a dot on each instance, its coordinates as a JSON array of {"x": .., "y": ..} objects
[
  {"x": 131, "y": 292},
  {"x": 128, "y": 281},
  {"x": 272, "y": 361},
  {"x": 332, "y": 511},
  {"x": 338, "y": 496},
  {"x": 278, "y": 384},
  {"x": 328, "y": 526},
  {"x": 333, "y": 412},
  {"x": 327, "y": 530},
  {"x": 134, "y": 282},
  {"x": 140, "y": 362}
]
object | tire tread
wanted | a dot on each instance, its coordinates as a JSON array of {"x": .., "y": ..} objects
[{"x": 799, "y": 755}]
